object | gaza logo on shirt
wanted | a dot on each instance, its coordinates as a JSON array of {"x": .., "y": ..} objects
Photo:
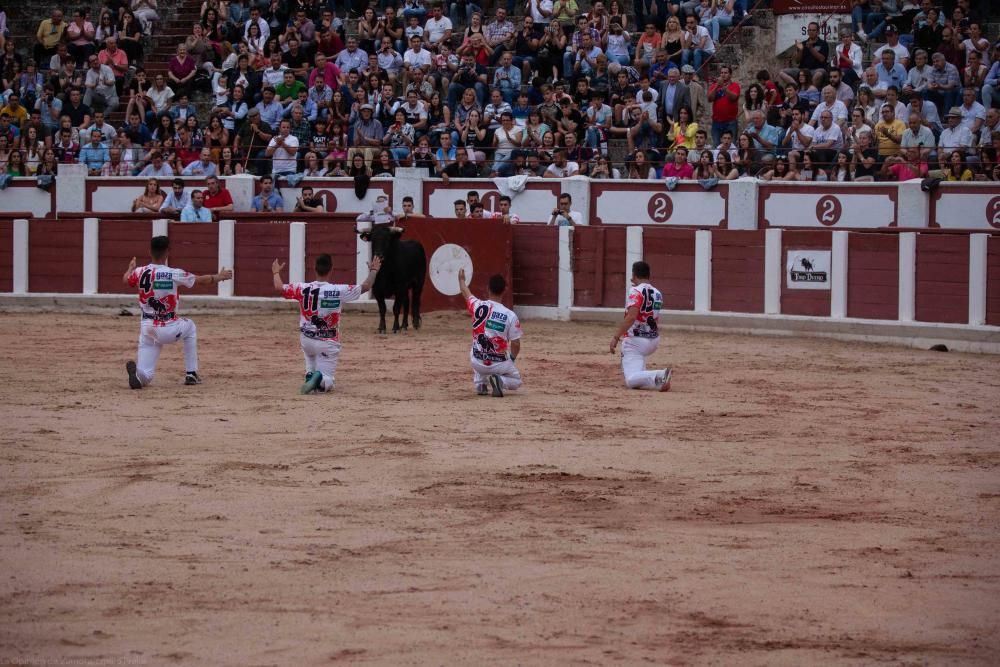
[
  {"x": 163, "y": 280},
  {"x": 330, "y": 299},
  {"x": 496, "y": 321}
]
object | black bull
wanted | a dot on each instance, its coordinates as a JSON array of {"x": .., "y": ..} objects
[{"x": 401, "y": 278}]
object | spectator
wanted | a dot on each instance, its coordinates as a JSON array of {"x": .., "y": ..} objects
[
  {"x": 901, "y": 53},
  {"x": 196, "y": 211},
  {"x": 955, "y": 169},
  {"x": 561, "y": 168},
  {"x": 813, "y": 55},
  {"x": 943, "y": 83},
  {"x": 724, "y": 95},
  {"x": 217, "y": 198},
  {"x": 828, "y": 139},
  {"x": 203, "y": 166},
  {"x": 955, "y": 136},
  {"x": 100, "y": 86},
  {"x": 698, "y": 44},
  {"x": 905, "y": 168},
  {"x": 849, "y": 58},
  {"x": 889, "y": 132},
  {"x": 150, "y": 200},
  {"x": 680, "y": 167},
  {"x": 973, "y": 113},
  {"x": 94, "y": 154},
  {"x": 368, "y": 134},
  {"x": 563, "y": 215},
  {"x": 80, "y": 34},
  {"x": 267, "y": 200},
  {"x": 177, "y": 199},
  {"x": 49, "y": 35},
  {"x": 157, "y": 167},
  {"x": 181, "y": 71},
  {"x": 115, "y": 58},
  {"x": 833, "y": 105},
  {"x": 675, "y": 95},
  {"x": 918, "y": 135}
]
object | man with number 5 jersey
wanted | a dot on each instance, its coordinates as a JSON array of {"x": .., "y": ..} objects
[
  {"x": 158, "y": 301},
  {"x": 320, "y": 305},
  {"x": 641, "y": 331},
  {"x": 496, "y": 339}
]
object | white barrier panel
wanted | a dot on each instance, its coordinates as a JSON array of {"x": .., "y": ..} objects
[
  {"x": 115, "y": 195},
  {"x": 649, "y": 203},
  {"x": 856, "y": 206},
  {"x": 533, "y": 204},
  {"x": 24, "y": 195},
  {"x": 966, "y": 206}
]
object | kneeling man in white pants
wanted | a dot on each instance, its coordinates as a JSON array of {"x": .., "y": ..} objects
[
  {"x": 496, "y": 339},
  {"x": 641, "y": 331}
]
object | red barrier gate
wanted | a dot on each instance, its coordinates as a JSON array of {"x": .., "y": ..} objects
[
  {"x": 738, "y": 271},
  {"x": 339, "y": 241},
  {"x": 118, "y": 241},
  {"x": 536, "y": 265},
  {"x": 800, "y": 301},
  {"x": 942, "y": 278},
  {"x": 195, "y": 248},
  {"x": 670, "y": 254},
  {"x": 257, "y": 244},
  {"x": 55, "y": 260},
  {"x": 873, "y": 276},
  {"x": 6, "y": 255},
  {"x": 599, "y": 266}
]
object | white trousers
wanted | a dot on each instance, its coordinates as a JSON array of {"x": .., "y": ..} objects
[
  {"x": 634, "y": 353},
  {"x": 321, "y": 355},
  {"x": 505, "y": 369},
  {"x": 151, "y": 342}
]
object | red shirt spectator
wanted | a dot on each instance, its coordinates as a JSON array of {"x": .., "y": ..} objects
[
  {"x": 218, "y": 200},
  {"x": 724, "y": 95}
]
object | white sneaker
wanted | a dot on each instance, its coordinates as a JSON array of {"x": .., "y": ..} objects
[
  {"x": 663, "y": 381},
  {"x": 482, "y": 389},
  {"x": 862, "y": 37}
]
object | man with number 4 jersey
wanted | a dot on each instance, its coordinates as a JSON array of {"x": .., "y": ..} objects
[
  {"x": 157, "y": 284},
  {"x": 320, "y": 305},
  {"x": 641, "y": 331},
  {"x": 496, "y": 339}
]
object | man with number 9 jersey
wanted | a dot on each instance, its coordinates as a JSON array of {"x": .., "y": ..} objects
[
  {"x": 641, "y": 332},
  {"x": 320, "y": 305},
  {"x": 158, "y": 301},
  {"x": 496, "y": 339}
]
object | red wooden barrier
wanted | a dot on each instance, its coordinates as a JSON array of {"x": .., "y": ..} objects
[
  {"x": 942, "y": 278},
  {"x": 802, "y": 301},
  {"x": 599, "y": 266},
  {"x": 993, "y": 281},
  {"x": 257, "y": 245},
  {"x": 118, "y": 241},
  {"x": 55, "y": 256},
  {"x": 873, "y": 276},
  {"x": 6, "y": 255},
  {"x": 670, "y": 254},
  {"x": 336, "y": 239},
  {"x": 738, "y": 271},
  {"x": 536, "y": 265},
  {"x": 195, "y": 248}
]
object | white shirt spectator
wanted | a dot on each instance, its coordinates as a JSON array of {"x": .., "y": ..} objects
[
  {"x": 283, "y": 160},
  {"x": 436, "y": 28},
  {"x": 951, "y": 139},
  {"x": 265, "y": 29},
  {"x": 838, "y": 109},
  {"x": 900, "y": 51},
  {"x": 970, "y": 114},
  {"x": 417, "y": 58},
  {"x": 273, "y": 77},
  {"x": 537, "y": 5},
  {"x": 571, "y": 169},
  {"x": 822, "y": 135},
  {"x": 807, "y": 130}
]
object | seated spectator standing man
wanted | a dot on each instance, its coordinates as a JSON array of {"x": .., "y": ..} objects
[
  {"x": 724, "y": 96},
  {"x": 100, "y": 85},
  {"x": 307, "y": 202},
  {"x": 812, "y": 54},
  {"x": 561, "y": 167},
  {"x": 49, "y": 35},
  {"x": 954, "y": 137},
  {"x": 283, "y": 150},
  {"x": 576, "y": 42},
  {"x": 368, "y": 134},
  {"x": 833, "y": 105},
  {"x": 991, "y": 85},
  {"x": 973, "y": 113},
  {"x": 177, "y": 199},
  {"x": 849, "y": 58},
  {"x": 252, "y": 140},
  {"x": 217, "y": 198},
  {"x": 270, "y": 110},
  {"x": 351, "y": 57},
  {"x": 799, "y": 135},
  {"x": 674, "y": 93},
  {"x": 586, "y": 57},
  {"x": 919, "y": 136},
  {"x": 267, "y": 200},
  {"x": 892, "y": 44},
  {"x": 94, "y": 154},
  {"x": 196, "y": 211},
  {"x": 507, "y": 78},
  {"x": 889, "y": 72},
  {"x": 943, "y": 83},
  {"x": 498, "y": 33},
  {"x": 461, "y": 167},
  {"x": 116, "y": 59},
  {"x": 699, "y": 44},
  {"x": 438, "y": 28},
  {"x": 828, "y": 140},
  {"x": 157, "y": 167},
  {"x": 844, "y": 92},
  {"x": 203, "y": 166}
]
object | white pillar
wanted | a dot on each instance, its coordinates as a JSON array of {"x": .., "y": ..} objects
[
  {"x": 907, "y": 276},
  {"x": 297, "y": 252},
  {"x": 838, "y": 277},
  {"x": 773, "y": 271},
  {"x": 977, "y": 278},
  {"x": 565, "y": 271},
  {"x": 408, "y": 181},
  {"x": 241, "y": 188},
  {"x": 161, "y": 227},
  {"x": 579, "y": 190},
  {"x": 703, "y": 270},
  {"x": 71, "y": 189},
  {"x": 913, "y": 203},
  {"x": 633, "y": 251},
  {"x": 90, "y": 255},
  {"x": 742, "y": 204},
  {"x": 227, "y": 254},
  {"x": 20, "y": 259},
  {"x": 364, "y": 256}
]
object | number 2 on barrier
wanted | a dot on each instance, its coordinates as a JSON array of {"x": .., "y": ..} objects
[
  {"x": 828, "y": 210},
  {"x": 993, "y": 212},
  {"x": 660, "y": 208}
]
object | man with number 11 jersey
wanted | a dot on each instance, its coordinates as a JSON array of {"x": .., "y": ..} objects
[
  {"x": 641, "y": 332},
  {"x": 496, "y": 339},
  {"x": 320, "y": 305}
]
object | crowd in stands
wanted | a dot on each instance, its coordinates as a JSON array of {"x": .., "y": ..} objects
[{"x": 284, "y": 89}]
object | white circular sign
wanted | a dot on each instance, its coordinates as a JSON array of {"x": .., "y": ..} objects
[{"x": 444, "y": 266}]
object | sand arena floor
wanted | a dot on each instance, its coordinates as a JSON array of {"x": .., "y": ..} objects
[{"x": 791, "y": 501}]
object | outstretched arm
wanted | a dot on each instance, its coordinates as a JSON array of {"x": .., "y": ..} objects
[
  {"x": 128, "y": 271},
  {"x": 373, "y": 267},
  {"x": 466, "y": 293},
  {"x": 224, "y": 274},
  {"x": 630, "y": 316},
  {"x": 276, "y": 268},
  {"x": 515, "y": 349}
]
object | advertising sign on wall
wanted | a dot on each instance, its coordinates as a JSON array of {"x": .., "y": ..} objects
[
  {"x": 808, "y": 269},
  {"x": 811, "y": 7}
]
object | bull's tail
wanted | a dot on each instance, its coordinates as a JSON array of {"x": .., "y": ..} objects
[{"x": 419, "y": 275}]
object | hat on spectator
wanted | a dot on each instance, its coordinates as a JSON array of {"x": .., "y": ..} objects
[
  {"x": 254, "y": 111},
  {"x": 890, "y": 28},
  {"x": 954, "y": 111},
  {"x": 687, "y": 69},
  {"x": 614, "y": 67},
  {"x": 367, "y": 106}
]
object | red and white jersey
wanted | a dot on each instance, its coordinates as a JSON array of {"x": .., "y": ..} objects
[
  {"x": 320, "y": 304},
  {"x": 648, "y": 300},
  {"x": 514, "y": 217},
  {"x": 494, "y": 326},
  {"x": 157, "y": 284}
]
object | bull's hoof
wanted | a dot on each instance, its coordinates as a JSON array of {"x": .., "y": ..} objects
[
  {"x": 381, "y": 331},
  {"x": 395, "y": 331},
  {"x": 416, "y": 323}
]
